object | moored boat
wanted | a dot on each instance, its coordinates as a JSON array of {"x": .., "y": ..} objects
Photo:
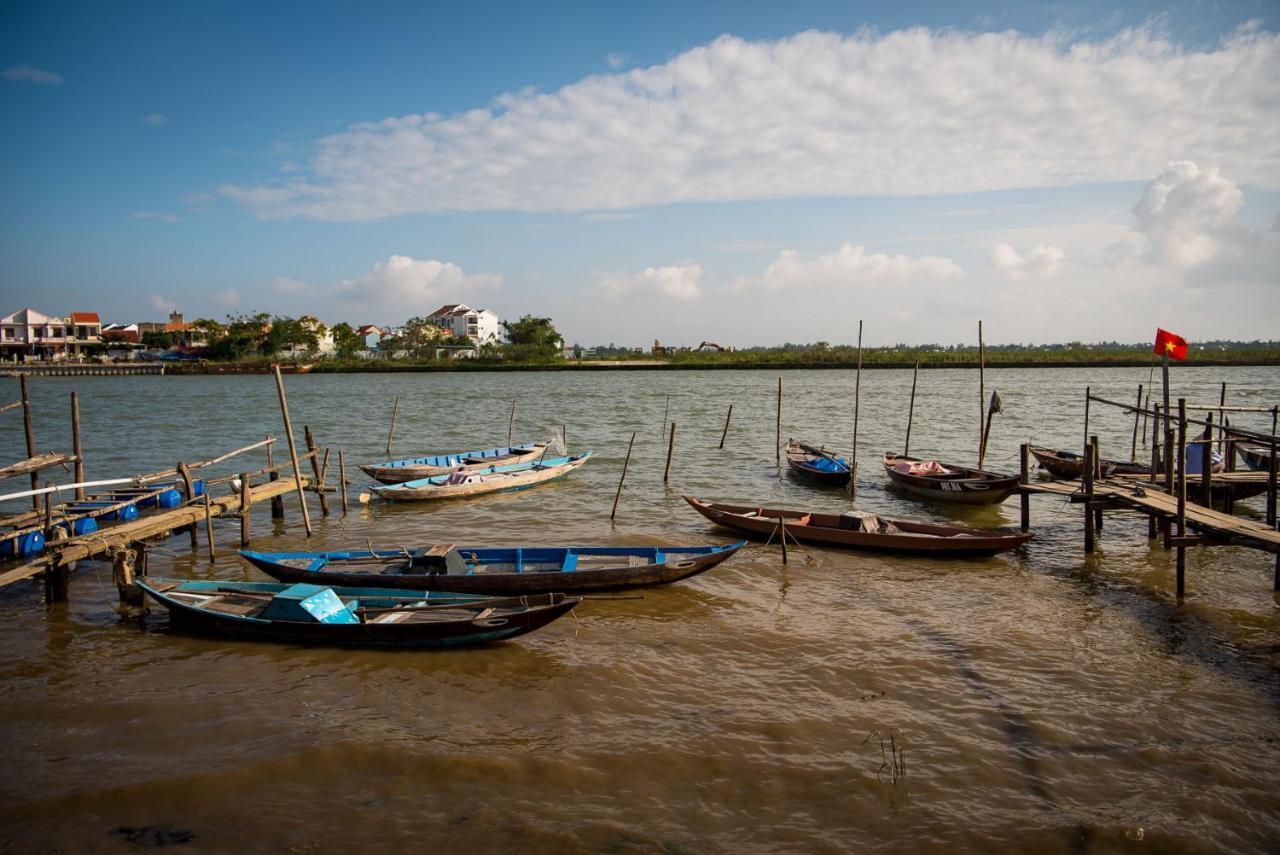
[
  {"x": 356, "y": 617},
  {"x": 459, "y": 485},
  {"x": 496, "y": 570},
  {"x": 413, "y": 468},
  {"x": 930, "y": 479},
  {"x": 817, "y": 464},
  {"x": 1255, "y": 456},
  {"x": 860, "y": 530},
  {"x": 1067, "y": 464}
]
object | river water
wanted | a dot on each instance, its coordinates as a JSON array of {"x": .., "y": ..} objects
[{"x": 1043, "y": 700}]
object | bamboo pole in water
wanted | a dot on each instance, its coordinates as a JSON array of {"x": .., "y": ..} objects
[
  {"x": 777, "y": 442},
  {"x": 1137, "y": 416},
  {"x": 246, "y": 505},
  {"x": 208, "y": 528},
  {"x": 189, "y": 491},
  {"x": 395, "y": 408},
  {"x": 671, "y": 447},
  {"x": 1182, "y": 496},
  {"x": 625, "y": 464},
  {"x": 293, "y": 452},
  {"x": 76, "y": 447},
  {"x": 857, "y": 399},
  {"x": 342, "y": 480},
  {"x": 31, "y": 438},
  {"x": 511, "y": 423},
  {"x": 277, "y": 502},
  {"x": 316, "y": 470},
  {"x": 982, "y": 386},
  {"x": 911, "y": 409},
  {"x": 725, "y": 432}
]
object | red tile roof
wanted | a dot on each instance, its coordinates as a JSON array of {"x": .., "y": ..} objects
[{"x": 85, "y": 318}]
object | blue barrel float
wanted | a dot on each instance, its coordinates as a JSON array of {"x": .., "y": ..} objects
[
  {"x": 84, "y": 525},
  {"x": 124, "y": 514},
  {"x": 30, "y": 543}
]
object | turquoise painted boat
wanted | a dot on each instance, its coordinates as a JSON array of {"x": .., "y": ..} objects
[
  {"x": 496, "y": 570},
  {"x": 413, "y": 468},
  {"x": 352, "y": 617},
  {"x": 462, "y": 485}
]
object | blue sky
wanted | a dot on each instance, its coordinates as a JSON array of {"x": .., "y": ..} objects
[{"x": 749, "y": 173}]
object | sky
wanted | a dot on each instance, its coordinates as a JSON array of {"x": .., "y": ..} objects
[{"x": 746, "y": 173}]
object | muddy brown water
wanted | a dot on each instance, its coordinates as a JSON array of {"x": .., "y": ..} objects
[{"x": 1042, "y": 700}]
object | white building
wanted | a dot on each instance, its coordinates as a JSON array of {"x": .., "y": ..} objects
[
  {"x": 33, "y": 334},
  {"x": 480, "y": 325}
]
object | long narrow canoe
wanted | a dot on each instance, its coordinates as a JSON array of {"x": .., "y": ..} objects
[
  {"x": 817, "y": 464},
  {"x": 1256, "y": 456},
  {"x": 1069, "y": 465},
  {"x": 461, "y": 485},
  {"x": 860, "y": 530},
  {"x": 354, "y": 617},
  {"x": 413, "y": 468},
  {"x": 932, "y": 480},
  {"x": 496, "y": 570}
]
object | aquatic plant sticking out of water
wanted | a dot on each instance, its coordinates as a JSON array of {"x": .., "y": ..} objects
[{"x": 893, "y": 761}]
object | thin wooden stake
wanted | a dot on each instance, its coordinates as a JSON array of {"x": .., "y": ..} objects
[
  {"x": 777, "y": 442},
  {"x": 1182, "y": 495},
  {"x": 857, "y": 400},
  {"x": 564, "y": 438},
  {"x": 395, "y": 408},
  {"x": 31, "y": 437},
  {"x": 246, "y": 504},
  {"x": 625, "y": 463},
  {"x": 1206, "y": 463},
  {"x": 725, "y": 432},
  {"x": 982, "y": 386},
  {"x": 1222, "y": 402},
  {"x": 671, "y": 447},
  {"x": 782, "y": 529},
  {"x": 76, "y": 448},
  {"x": 316, "y": 470},
  {"x": 277, "y": 502},
  {"x": 189, "y": 493},
  {"x": 511, "y": 424},
  {"x": 342, "y": 480},
  {"x": 1086, "y": 416},
  {"x": 1024, "y": 478},
  {"x": 1133, "y": 451},
  {"x": 208, "y": 528},
  {"x": 293, "y": 451},
  {"x": 911, "y": 410},
  {"x": 1087, "y": 473}
]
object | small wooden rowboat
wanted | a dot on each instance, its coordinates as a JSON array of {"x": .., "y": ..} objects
[
  {"x": 464, "y": 485},
  {"x": 1067, "y": 464},
  {"x": 817, "y": 464},
  {"x": 1255, "y": 456},
  {"x": 490, "y": 570},
  {"x": 413, "y": 468},
  {"x": 356, "y": 617},
  {"x": 932, "y": 480},
  {"x": 860, "y": 530}
]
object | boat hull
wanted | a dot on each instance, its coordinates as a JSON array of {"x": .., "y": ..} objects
[
  {"x": 802, "y": 463},
  {"x": 825, "y": 530},
  {"x": 971, "y": 487},
  {"x": 688, "y": 562},
  {"x": 511, "y": 477},
  {"x": 400, "y": 471}
]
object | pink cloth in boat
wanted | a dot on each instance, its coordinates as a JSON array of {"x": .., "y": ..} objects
[{"x": 922, "y": 467}]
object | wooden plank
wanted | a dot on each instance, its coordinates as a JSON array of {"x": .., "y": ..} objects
[{"x": 36, "y": 464}]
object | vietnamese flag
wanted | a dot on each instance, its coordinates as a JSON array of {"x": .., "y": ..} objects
[{"x": 1173, "y": 345}]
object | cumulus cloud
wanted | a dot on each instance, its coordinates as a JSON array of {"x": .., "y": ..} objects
[
  {"x": 1042, "y": 260},
  {"x": 908, "y": 112},
  {"x": 162, "y": 216},
  {"x": 849, "y": 265},
  {"x": 408, "y": 281},
  {"x": 1187, "y": 213},
  {"x": 27, "y": 74},
  {"x": 682, "y": 282},
  {"x": 616, "y": 60}
]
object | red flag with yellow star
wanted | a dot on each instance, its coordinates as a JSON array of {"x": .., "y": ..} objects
[{"x": 1170, "y": 343}]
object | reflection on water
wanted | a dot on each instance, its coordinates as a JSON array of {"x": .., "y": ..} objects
[{"x": 1046, "y": 700}]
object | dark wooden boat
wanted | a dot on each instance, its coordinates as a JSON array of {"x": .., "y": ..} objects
[
  {"x": 945, "y": 483},
  {"x": 817, "y": 464},
  {"x": 354, "y": 617},
  {"x": 413, "y": 468},
  {"x": 854, "y": 530},
  {"x": 1255, "y": 457},
  {"x": 1067, "y": 464},
  {"x": 496, "y": 570}
]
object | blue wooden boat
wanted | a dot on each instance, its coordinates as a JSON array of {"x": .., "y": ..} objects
[
  {"x": 817, "y": 464},
  {"x": 496, "y": 570},
  {"x": 356, "y": 617},
  {"x": 493, "y": 479},
  {"x": 413, "y": 468}
]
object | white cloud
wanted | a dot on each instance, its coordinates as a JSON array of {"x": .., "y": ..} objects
[
  {"x": 229, "y": 298},
  {"x": 1187, "y": 214},
  {"x": 616, "y": 60},
  {"x": 160, "y": 303},
  {"x": 410, "y": 283},
  {"x": 289, "y": 285},
  {"x": 154, "y": 119},
  {"x": 908, "y": 112},
  {"x": 1043, "y": 260},
  {"x": 849, "y": 265},
  {"x": 20, "y": 73},
  {"x": 681, "y": 282},
  {"x": 163, "y": 216}
]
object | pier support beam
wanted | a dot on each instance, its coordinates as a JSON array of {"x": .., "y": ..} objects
[
  {"x": 123, "y": 570},
  {"x": 1087, "y": 472},
  {"x": 1024, "y": 476}
]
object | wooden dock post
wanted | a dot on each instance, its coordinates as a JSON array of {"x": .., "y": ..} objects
[
  {"x": 246, "y": 505},
  {"x": 782, "y": 530},
  {"x": 392, "y": 430},
  {"x": 189, "y": 494},
  {"x": 511, "y": 423},
  {"x": 1086, "y": 416},
  {"x": 57, "y": 579},
  {"x": 1206, "y": 463},
  {"x": 293, "y": 452},
  {"x": 1137, "y": 416},
  {"x": 208, "y": 528},
  {"x": 625, "y": 464},
  {"x": 777, "y": 442},
  {"x": 316, "y": 470},
  {"x": 1087, "y": 474},
  {"x": 31, "y": 438},
  {"x": 725, "y": 432},
  {"x": 342, "y": 480},
  {"x": 1222, "y": 424},
  {"x": 1097, "y": 473},
  {"x": 857, "y": 400},
  {"x": 911, "y": 410},
  {"x": 1182, "y": 498},
  {"x": 1024, "y": 478},
  {"x": 277, "y": 502},
  {"x": 123, "y": 570},
  {"x": 76, "y": 448},
  {"x": 982, "y": 386},
  {"x": 1152, "y": 522},
  {"x": 671, "y": 447},
  {"x": 1271, "y": 487}
]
